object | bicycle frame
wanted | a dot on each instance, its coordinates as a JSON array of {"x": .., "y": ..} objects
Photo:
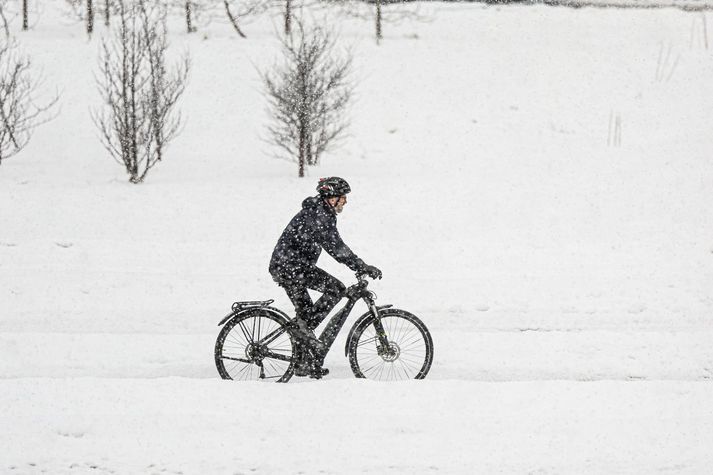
[{"x": 354, "y": 293}]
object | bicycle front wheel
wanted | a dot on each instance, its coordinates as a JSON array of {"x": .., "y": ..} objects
[
  {"x": 255, "y": 346},
  {"x": 404, "y": 352}
]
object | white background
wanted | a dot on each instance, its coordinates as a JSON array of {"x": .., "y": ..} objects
[{"x": 566, "y": 280}]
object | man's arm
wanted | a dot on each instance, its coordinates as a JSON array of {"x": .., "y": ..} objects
[{"x": 332, "y": 242}]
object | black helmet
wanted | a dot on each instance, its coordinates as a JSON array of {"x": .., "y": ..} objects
[{"x": 333, "y": 186}]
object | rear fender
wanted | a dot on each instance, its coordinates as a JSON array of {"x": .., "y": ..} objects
[
  {"x": 241, "y": 311},
  {"x": 360, "y": 321}
]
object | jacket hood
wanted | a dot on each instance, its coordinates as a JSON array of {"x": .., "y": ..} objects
[{"x": 312, "y": 202}]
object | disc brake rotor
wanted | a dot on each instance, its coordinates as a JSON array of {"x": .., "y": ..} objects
[{"x": 391, "y": 353}]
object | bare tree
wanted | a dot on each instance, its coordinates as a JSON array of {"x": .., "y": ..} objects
[
  {"x": 87, "y": 10},
  {"x": 19, "y": 112},
  {"x": 5, "y": 22},
  {"x": 25, "y": 17},
  {"x": 308, "y": 93},
  {"x": 195, "y": 12},
  {"x": 139, "y": 117},
  {"x": 288, "y": 17},
  {"x": 8, "y": 12},
  {"x": 237, "y": 11},
  {"x": 199, "y": 13},
  {"x": 189, "y": 17},
  {"x": 90, "y": 17},
  {"x": 107, "y": 12},
  {"x": 389, "y": 11}
]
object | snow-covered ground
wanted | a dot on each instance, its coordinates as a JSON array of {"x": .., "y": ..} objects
[{"x": 565, "y": 272}]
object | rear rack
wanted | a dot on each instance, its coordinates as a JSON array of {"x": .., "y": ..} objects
[{"x": 237, "y": 306}]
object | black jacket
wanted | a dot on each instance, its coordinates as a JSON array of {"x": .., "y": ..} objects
[{"x": 312, "y": 229}]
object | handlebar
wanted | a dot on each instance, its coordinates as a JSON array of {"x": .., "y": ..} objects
[
  {"x": 362, "y": 277},
  {"x": 358, "y": 290}
]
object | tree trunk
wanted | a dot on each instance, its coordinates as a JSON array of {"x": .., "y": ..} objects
[
  {"x": 24, "y": 15},
  {"x": 107, "y": 12},
  {"x": 302, "y": 158},
  {"x": 288, "y": 17},
  {"x": 378, "y": 21},
  {"x": 90, "y": 17},
  {"x": 189, "y": 19}
]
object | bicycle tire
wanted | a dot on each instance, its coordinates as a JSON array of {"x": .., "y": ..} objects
[
  {"x": 412, "y": 353},
  {"x": 239, "y": 356}
]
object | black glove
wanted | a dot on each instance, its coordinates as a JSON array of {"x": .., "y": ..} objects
[{"x": 372, "y": 271}]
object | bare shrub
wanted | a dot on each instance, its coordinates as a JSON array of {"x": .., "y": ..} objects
[
  {"x": 139, "y": 117},
  {"x": 308, "y": 93},
  {"x": 3, "y": 19},
  {"x": 20, "y": 113}
]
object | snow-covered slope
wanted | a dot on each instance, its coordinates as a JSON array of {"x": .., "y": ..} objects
[{"x": 556, "y": 265}]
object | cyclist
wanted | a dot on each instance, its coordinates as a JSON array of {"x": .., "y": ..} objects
[{"x": 293, "y": 266}]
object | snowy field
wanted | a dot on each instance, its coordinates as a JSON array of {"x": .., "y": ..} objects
[{"x": 563, "y": 264}]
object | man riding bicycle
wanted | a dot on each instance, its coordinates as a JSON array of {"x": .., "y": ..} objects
[{"x": 293, "y": 265}]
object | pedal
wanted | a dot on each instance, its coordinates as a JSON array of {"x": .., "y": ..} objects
[
  {"x": 318, "y": 373},
  {"x": 309, "y": 369},
  {"x": 302, "y": 371}
]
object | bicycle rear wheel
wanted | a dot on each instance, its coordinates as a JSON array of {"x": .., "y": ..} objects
[
  {"x": 255, "y": 345},
  {"x": 409, "y": 353}
]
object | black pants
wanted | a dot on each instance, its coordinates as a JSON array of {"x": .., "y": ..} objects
[{"x": 316, "y": 279}]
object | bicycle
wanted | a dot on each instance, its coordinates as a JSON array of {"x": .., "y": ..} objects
[{"x": 258, "y": 342}]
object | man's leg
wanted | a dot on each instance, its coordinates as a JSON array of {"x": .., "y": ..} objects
[
  {"x": 309, "y": 316},
  {"x": 298, "y": 295},
  {"x": 297, "y": 292},
  {"x": 332, "y": 292}
]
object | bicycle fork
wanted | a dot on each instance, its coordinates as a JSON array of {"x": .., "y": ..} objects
[{"x": 384, "y": 347}]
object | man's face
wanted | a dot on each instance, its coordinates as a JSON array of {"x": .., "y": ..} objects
[{"x": 338, "y": 203}]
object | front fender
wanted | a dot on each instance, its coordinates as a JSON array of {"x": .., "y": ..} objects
[{"x": 358, "y": 323}]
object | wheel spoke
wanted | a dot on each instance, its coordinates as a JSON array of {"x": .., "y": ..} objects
[
  {"x": 234, "y": 339},
  {"x": 408, "y": 353},
  {"x": 247, "y": 368},
  {"x": 403, "y": 367},
  {"x": 366, "y": 342},
  {"x": 378, "y": 362},
  {"x": 412, "y": 343},
  {"x": 410, "y": 361},
  {"x": 245, "y": 331},
  {"x": 255, "y": 346}
]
